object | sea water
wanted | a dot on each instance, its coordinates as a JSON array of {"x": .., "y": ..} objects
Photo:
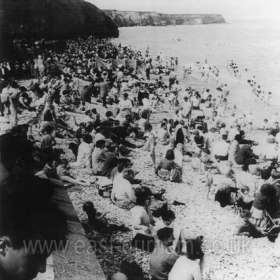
[{"x": 252, "y": 44}]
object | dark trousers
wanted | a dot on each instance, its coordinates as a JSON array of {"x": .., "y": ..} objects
[
  {"x": 221, "y": 157},
  {"x": 104, "y": 101},
  {"x": 171, "y": 82}
]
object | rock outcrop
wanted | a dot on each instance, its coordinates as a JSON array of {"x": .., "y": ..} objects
[
  {"x": 53, "y": 19},
  {"x": 131, "y": 18}
]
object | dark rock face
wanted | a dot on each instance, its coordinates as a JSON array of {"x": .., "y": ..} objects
[
  {"x": 53, "y": 19},
  {"x": 131, "y": 18}
]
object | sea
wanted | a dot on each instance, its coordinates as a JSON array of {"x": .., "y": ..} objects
[{"x": 253, "y": 44}]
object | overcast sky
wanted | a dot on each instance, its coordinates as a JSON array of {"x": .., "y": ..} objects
[{"x": 230, "y": 9}]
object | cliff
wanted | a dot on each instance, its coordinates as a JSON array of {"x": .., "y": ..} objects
[
  {"x": 53, "y": 19},
  {"x": 130, "y": 18}
]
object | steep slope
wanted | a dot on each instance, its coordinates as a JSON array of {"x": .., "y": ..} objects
[{"x": 54, "y": 19}]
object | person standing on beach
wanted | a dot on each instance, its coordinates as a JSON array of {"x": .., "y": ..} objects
[
  {"x": 187, "y": 108},
  {"x": 267, "y": 98},
  {"x": 172, "y": 78},
  {"x": 41, "y": 66},
  {"x": 14, "y": 102},
  {"x": 104, "y": 90},
  {"x": 148, "y": 69}
]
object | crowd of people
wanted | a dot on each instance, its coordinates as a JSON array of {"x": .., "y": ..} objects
[
  {"x": 258, "y": 93},
  {"x": 116, "y": 106},
  {"x": 256, "y": 89}
]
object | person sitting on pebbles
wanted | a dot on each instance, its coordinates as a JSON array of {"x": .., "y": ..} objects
[
  {"x": 261, "y": 204},
  {"x": 245, "y": 156},
  {"x": 98, "y": 157},
  {"x": 98, "y": 222},
  {"x": 167, "y": 166},
  {"x": 268, "y": 150},
  {"x": 59, "y": 170},
  {"x": 221, "y": 148},
  {"x": 123, "y": 193},
  {"x": 84, "y": 152},
  {"x": 188, "y": 265},
  {"x": 162, "y": 258},
  {"x": 94, "y": 218},
  {"x": 226, "y": 193},
  {"x": 142, "y": 220}
]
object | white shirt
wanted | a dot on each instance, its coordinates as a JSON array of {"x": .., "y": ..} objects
[
  {"x": 146, "y": 103},
  {"x": 185, "y": 269},
  {"x": 141, "y": 124},
  {"x": 122, "y": 189},
  {"x": 232, "y": 133},
  {"x": 211, "y": 137},
  {"x": 162, "y": 135},
  {"x": 186, "y": 108},
  {"x": 178, "y": 157},
  {"x": 125, "y": 104},
  {"x": 84, "y": 153},
  {"x": 221, "y": 148},
  {"x": 268, "y": 151}
]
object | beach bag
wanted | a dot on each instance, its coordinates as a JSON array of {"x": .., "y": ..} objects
[
  {"x": 105, "y": 191},
  {"x": 175, "y": 175},
  {"x": 164, "y": 174}
]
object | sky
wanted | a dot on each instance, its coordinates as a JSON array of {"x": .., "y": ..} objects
[{"x": 230, "y": 9}]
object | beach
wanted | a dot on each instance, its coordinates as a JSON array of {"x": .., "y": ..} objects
[{"x": 227, "y": 255}]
